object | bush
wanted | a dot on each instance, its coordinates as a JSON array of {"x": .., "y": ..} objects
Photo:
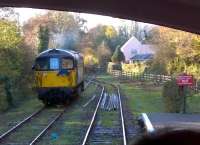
[
  {"x": 3, "y": 100},
  {"x": 172, "y": 100},
  {"x": 136, "y": 67},
  {"x": 15, "y": 62}
]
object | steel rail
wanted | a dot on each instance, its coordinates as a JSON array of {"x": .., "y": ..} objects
[
  {"x": 88, "y": 82},
  {"x": 149, "y": 127},
  {"x": 93, "y": 119},
  {"x": 122, "y": 118},
  {"x": 91, "y": 99},
  {"x": 7, "y": 133},
  {"x": 36, "y": 139}
]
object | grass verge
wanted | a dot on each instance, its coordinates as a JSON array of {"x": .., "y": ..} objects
[{"x": 145, "y": 97}]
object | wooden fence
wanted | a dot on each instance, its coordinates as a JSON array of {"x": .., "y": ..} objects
[
  {"x": 142, "y": 77},
  {"x": 155, "y": 78}
]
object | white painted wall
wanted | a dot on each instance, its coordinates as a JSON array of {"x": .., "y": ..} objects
[{"x": 133, "y": 47}]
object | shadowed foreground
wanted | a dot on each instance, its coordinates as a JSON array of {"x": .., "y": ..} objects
[{"x": 173, "y": 137}]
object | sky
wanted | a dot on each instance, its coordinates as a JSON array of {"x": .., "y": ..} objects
[{"x": 92, "y": 19}]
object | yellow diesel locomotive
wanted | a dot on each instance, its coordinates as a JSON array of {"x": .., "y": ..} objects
[{"x": 58, "y": 75}]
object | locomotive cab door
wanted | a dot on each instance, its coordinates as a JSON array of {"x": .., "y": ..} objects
[{"x": 80, "y": 72}]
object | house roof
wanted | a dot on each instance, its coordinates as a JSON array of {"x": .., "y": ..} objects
[
  {"x": 142, "y": 57},
  {"x": 181, "y": 14},
  {"x": 131, "y": 43}
]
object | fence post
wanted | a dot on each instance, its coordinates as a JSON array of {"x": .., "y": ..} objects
[
  {"x": 161, "y": 78},
  {"x": 136, "y": 76},
  {"x": 142, "y": 76},
  {"x": 131, "y": 76}
]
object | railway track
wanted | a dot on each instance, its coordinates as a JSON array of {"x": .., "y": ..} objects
[
  {"x": 112, "y": 104},
  {"x": 142, "y": 123},
  {"x": 21, "y": 123},
  {"x": 89, "y": 81},
  {"x": 18, "y": 135},
  {"x": 107, "y": 105},
  {"x": 73, "y": 124},
  {"x": 122, "y": 118},
  {"x": 8, "y": 136}
]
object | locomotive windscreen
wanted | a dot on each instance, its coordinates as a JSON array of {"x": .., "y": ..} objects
[
  {"x": 53, "y": 63},
  {"x": 47, "y": 63},
  {"x": 67, "y": 63}
]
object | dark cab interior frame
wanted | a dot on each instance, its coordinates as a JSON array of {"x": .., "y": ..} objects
[{"x": 179, "y": 14}]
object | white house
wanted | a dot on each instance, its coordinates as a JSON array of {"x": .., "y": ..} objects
[{"x": 135, "y": 49}]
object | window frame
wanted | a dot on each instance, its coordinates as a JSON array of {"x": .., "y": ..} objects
[
  {"x": 48, "y": 58},
  {"x": 71, "y": 58},
  {"x": 50, "y": 63}
]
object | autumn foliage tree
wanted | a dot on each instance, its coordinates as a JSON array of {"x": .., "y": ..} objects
[
  {"x": 10, "y": 60},
  {"x": 117, "y": 56},
  {"x": 15, "y": 61},
  {"x": 64, "y": 30},
  {"x": 175, "y": 52}
]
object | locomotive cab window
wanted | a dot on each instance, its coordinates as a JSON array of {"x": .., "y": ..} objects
[
  {"x": 45, "y": 63},
  {"x": 67, "y": 63},
  {"x": 54, "y": 63},
  {"x": 42, "y": 64}
]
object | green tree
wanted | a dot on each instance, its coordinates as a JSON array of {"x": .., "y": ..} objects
[
  {"x": 10, "y": 40},
  {"x": 10, "y": 58},
  {"x": 31, "y": 29},
  {"x": 172, "y": 100},
  {"x": 123, "y": 36},
  {"x": 43, "y": 38},
  {"x": 117, "y": 56},
  {"x": 103, "y": 54}
]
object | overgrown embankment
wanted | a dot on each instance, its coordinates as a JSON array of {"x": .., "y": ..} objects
[{"x": 15, "y": 63}]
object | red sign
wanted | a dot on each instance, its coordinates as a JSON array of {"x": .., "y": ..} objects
[{"x": 183, "y": 80}]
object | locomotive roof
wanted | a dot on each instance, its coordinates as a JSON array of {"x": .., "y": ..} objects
[{"x": 57, "y": 52}]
